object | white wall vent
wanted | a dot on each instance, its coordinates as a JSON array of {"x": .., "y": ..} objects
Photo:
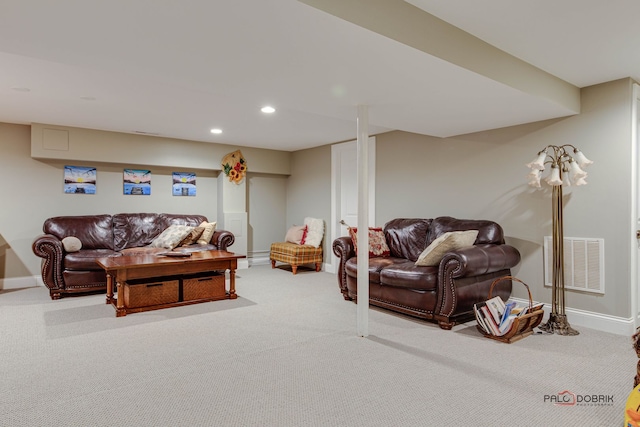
[{"x": 583, "y": 264}]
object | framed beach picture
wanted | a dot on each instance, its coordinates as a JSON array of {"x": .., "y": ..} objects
[
  {"x": 184, "y": 184},
  {"x": 137, "y": 182},
  {"x": 80, "y": 180}
]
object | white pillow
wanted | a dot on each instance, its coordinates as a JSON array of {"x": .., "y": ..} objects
[
  {"x": 315, "y": 231},
  {"x": 447, "y": 242},
  {"x": 71, "y": 244},
  {"x": 172, "y": 236}
]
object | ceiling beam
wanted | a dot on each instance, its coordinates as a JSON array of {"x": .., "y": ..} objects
[{"x": 405, "y": 23}]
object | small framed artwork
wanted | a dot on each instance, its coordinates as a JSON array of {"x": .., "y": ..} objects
[
  {"x": 79, "y": 180},
  {"x": 184, "y": 184},
  {"x": 137, "y": 182}
]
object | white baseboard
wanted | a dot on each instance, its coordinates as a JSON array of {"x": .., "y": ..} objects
[
  {"x": 263, "y": 260},
  {"x": 21, "y": 282},
  {"x": 588, "y": 319}
]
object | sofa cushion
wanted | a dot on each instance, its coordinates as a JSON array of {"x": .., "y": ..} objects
[
  {"x": 375, "y": 266},
  {"x": 94, "y": 231},
  {"x": 295, "y": 233},
  {"x": 71, "y": 244},
  {"x": 408, "y": 275},
  {"x": 193, "y": 236},
  {"x": 136, "y": 229},
  {"x": 207, "y": 233},
  {"x": 171, "y": 236},
  {"x": 488, "y": 231},
  {"x": 406, "y": 237},
  {"x": 377, "y": 243},
  {"x": 144, "y": 250},
  {"x": 315, "y": 231},
  {"x": 85, "y": 259},
  {"x": 447, "y": 242}
]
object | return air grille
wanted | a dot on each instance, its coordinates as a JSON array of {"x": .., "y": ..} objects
[{"x": 583, "y": 264}]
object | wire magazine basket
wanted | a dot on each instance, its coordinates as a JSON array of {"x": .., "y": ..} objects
[{"x": 522, "y": 325}]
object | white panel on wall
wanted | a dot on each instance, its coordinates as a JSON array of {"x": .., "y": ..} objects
[
  {"x": 583, "y": 263},
  {"x": 55, "y": 139}
]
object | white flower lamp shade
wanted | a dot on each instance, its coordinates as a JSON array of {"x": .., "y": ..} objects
[
  {"x": 580, "y": 181},
  {"x": 538, "y": 163},
  {"x": 581, "y": 158},
  {"x": 575, "y": 173},
  {"x": 554, "y": 176},
  {"x": 534, "y": 178}
]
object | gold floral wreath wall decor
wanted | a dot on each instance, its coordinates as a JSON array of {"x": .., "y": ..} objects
[{"x": 234, "y": 166}]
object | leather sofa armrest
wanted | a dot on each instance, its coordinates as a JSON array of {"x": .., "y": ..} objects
[
  {"x": 222, "y": 239},
  {"x": 467, "y": 273},
  {"x": 481, "y": 259},
  {"x": 344, "y": 250},
  {"x": 50, "y": 248}
]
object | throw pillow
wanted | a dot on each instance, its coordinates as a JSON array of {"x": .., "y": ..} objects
[
  {"x": 71, "y": 244},
  {"x": 171, "y": 237},
  {"x": 294, "y": 234},
  {"x": 207, "y": 234},
  {"x": 315, "y": 231},
  {"x": 448, "y": 241},
  {"x": 377, "y": 243},
  {"x": 192, "y": 237}
]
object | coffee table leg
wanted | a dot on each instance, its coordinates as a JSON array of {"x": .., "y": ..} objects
[
  {"x": 232, "y": 284},
  {"x": 109, "y": 288},
  {"x": 120, "y": 310}
]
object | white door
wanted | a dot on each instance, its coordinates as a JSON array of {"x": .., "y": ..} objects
[{"x": 344, "y": 189}]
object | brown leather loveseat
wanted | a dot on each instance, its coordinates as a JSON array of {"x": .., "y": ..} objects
[
  {"x": 445, "y": 292},
  {"x": 66, "y": 272}
]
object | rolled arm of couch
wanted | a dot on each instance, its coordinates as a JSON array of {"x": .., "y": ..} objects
[
  {"x": 481, "y": 259},
  {"x": 344, "y": 250},
  {"x": 50, "y": 249},
  {"x": 465, "y": 277},
  {"x": 222, "y": 239}
]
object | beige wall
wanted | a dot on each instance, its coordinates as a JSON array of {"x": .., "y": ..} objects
[
  {"x": 309, "y": 190},
  {"x": 483, "y": 176},
  {"x": 267, "y": 206},
  {"x": 480, "y": 175},
  {"x": 34, "y": 187}
]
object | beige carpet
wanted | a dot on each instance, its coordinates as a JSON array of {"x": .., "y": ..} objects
[{"x": 286, "y": 354}]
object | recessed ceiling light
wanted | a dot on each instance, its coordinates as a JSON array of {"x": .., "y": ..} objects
[
  {"x": 216, "y": 131},
  {"x": 268, "y": 109},
  {"x": 87, "y": 98},
  {"x": 21, "y": 89}
]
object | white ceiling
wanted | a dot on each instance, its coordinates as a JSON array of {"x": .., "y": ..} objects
[{"x": 178, "y": 69}]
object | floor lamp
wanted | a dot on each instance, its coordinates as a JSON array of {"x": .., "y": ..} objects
[{"x": 566, "y": 169}]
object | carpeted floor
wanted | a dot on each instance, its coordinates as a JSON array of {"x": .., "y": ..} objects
[{"x": 285, "y": 353}]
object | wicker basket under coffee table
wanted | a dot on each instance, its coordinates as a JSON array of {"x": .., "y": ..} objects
[{"x": 152, "y": 281}]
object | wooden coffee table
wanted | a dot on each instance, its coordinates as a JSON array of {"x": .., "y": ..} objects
[{"x": 153, "y": 281}]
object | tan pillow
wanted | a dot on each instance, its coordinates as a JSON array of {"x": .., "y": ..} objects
[
  {"x": 207, "y": 234},
  {"x": 71, "y": 244},
  {"x": 192, "y": 237},
  {"x": 171, "y": 237},
  {"x": 294, "y": 234},
  {"x": 447, "y": 242}
]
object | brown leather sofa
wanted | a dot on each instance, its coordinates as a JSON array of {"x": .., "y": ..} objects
[
  {"x": 104, "y": 236},
  {"x": 445, "y": 293}
]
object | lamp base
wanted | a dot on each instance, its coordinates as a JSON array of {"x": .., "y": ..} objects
[{"x": 558, "y": 324}]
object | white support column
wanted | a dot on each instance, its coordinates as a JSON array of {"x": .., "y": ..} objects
[{"x": 363, "y": 221}]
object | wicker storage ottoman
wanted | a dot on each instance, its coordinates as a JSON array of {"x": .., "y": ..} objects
[{"x": 295, "y": 255}]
